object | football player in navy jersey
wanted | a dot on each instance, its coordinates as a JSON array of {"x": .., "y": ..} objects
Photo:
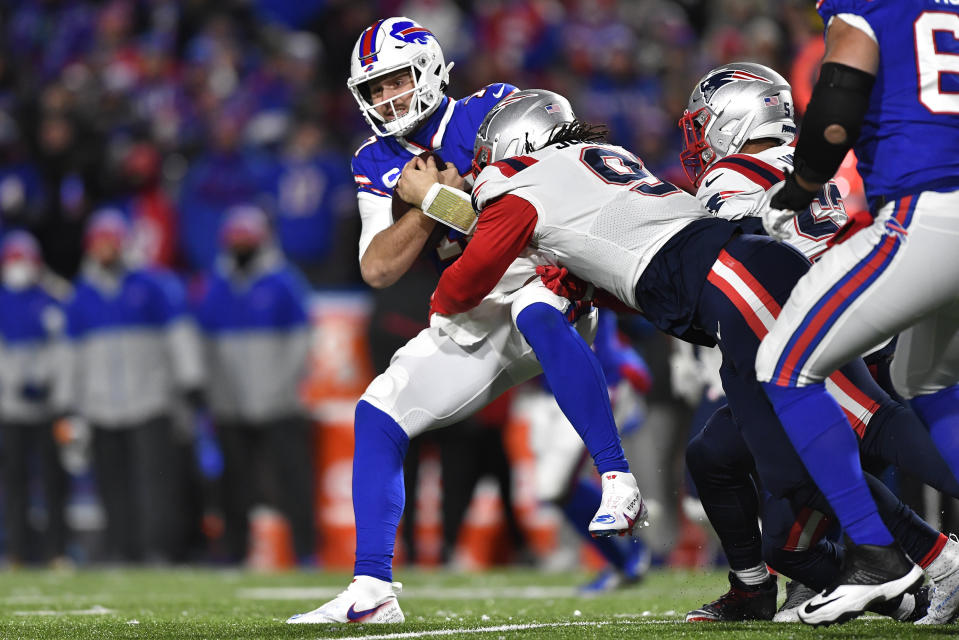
[
  {"x": 738, "y": 126},
  {"x": 887, "y": 88},
  {"x": 648, "y": 247},
  {"x": 460, "y": 363}
]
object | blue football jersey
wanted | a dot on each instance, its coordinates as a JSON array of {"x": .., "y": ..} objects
[
  {"x": 450, "y": 131},
  {"x": 910, "y": 135}
]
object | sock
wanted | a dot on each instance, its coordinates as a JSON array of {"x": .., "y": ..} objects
[
  {"x": 753, "y": 576},
  {"x": 820, "y": 433},
  {"x": 577, "y": 382},
  {"x": 940, "y": 412},
  {"x": 378, "y": 494},
  {"x": 579, "y": 509},
  {"x": 914, "y": 535}
]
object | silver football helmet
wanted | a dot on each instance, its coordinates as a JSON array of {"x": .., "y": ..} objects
[
  {"x": 391, "y": 45},
  {"x": 729, "y": 106},
  {"x": 519, "y": 123}
]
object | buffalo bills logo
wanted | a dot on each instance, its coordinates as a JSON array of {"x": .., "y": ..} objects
[
  {"x": 720, "y": 79},
  {"x": 895, "y": 228},
  {"x": 409, "y": 32}
]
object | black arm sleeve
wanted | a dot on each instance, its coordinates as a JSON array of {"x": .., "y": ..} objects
[{"x": 841, "y": 96}]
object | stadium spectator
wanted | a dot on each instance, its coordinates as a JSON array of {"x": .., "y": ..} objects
[
  {"x": 135, "y": 352},
  {"x": 253, "y": 315},
  {"x": 31, "y": 337}
]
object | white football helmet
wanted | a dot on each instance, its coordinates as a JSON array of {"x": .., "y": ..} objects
[
  {"x": 391, "y": 45},
  {"x": 729, "y": 106},
  {"x": 519, "y": 123}
]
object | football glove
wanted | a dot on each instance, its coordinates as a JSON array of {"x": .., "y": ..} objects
[
  {"x": 561, "y": 282},
  {"x": 776, "y": 221}
]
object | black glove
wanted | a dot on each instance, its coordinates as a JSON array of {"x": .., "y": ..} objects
[{"x": 792, "y": 197}]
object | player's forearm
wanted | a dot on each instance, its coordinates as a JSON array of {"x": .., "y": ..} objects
[{"x": 393, "y": 250}]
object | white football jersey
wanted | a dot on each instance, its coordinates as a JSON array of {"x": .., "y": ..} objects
[
  {"x": 600, "y": 213},
  {"x": 733, "y": 188}
]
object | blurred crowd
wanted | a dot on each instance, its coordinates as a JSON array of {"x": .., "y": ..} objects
[{"x": 175, "y": 182}]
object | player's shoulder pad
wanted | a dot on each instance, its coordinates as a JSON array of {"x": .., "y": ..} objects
[
  {"x": 485, "y": 98},
  {"x": 370, "y": 163},
  {"x": 756, "y": 169},
  {"x": 496, "y": 180}
]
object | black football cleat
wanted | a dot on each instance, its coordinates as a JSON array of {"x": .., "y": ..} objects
[{"x": 741, "y": 602}]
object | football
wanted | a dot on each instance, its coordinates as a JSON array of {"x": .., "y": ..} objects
[{"x": 401, "y": 206}]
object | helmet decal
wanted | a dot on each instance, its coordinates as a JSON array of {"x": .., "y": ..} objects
[
  {"x": 368, "y": 48},
  {"x": 408, "y": 31},
  {"x": 710, "y": 85}
]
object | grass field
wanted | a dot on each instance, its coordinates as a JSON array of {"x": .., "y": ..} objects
[{"x": 210, "y": 604}]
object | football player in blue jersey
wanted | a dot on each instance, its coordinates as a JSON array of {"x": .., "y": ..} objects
[
  {"x": 738, "y": 126},
  {"x": 886, "y": 89},
  {"x": 458, "y": 364}
]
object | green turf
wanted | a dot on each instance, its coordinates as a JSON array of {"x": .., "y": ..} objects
[{"x": 105, "y": 604}]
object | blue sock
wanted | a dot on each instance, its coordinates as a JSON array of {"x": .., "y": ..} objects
[
  {"x": 577, "y": 381},
  {"x": 378, "y": 494},
  {"x": 579, "y": 509},
  {"x": 821, "y": 435},
  {"x": 940, "y": 412}
]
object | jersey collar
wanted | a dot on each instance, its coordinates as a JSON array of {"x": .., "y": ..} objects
[{"x": 430, "y": 135}]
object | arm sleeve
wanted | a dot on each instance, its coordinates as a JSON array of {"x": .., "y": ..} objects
[
  {"x": 376, "y": 214},
  {"x": 503, "y": 231}
]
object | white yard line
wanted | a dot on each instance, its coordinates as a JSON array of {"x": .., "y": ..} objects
[
  {"x": 502, "y": 627},
  {"x": 95, "y": 610},
  {"x": 438, "y": 593}
]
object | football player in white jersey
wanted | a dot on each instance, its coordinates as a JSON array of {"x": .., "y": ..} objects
[
  {"x": 737, "y": 128},
  {"x": 648, "y": 246},
  {"x": 461, "y": 362}
]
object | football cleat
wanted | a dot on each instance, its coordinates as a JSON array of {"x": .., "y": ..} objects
[
  {"x": 622, "y": 506},
  {"x": 796, "y": 595},
  {"x": 944, "y": 597},
  {"x": 638, "y": 558},
  {"x": 368, "y": 600},
  {"x": 870, "y": 575},
  {"x": 742, "y": 602}
]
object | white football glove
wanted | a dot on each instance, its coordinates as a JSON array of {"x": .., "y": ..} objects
[{"x": 776, "y": 221}]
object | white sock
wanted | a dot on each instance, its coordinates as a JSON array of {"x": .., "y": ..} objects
[{"x": 754, "y": 576}]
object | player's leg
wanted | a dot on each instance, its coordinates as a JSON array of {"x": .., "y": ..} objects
[
  {"x": 926, "y": 368},
  {"x": 828, "y": 322},
  {"x": 399, "y": 404},
  {"x": 721, "y": 466},
  {"x": 576, "y": 379}
]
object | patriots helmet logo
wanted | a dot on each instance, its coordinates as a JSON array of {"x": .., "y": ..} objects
[
  {"x": 720, "y": 79},
  {"x": 406, "y": 31}
]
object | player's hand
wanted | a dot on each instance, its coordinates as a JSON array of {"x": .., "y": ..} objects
[
  {"x": 451, "y": 177},
  {"x": 416, "y": 179},
  {"x": 561, "y": 282},
  {"x": 776, "y": 221}
]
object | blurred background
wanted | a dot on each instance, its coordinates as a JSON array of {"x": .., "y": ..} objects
[{"x": 153, "y": 151}]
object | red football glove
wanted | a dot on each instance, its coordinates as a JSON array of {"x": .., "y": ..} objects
[{"x": 561, "y": 282}]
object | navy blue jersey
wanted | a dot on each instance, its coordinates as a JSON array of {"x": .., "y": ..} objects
[
  {"x": 669, "y": 289},
  {"x": 910, "y": 135},
  {"x": 450, "y": 131}
]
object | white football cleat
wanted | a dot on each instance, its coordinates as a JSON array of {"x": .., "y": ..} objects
[
  {"x": 622, "y": 507},
  {"x": 368, "y": 600},
  {"x": 944, "y": 596},
  {"x": 870, "y": 575}
]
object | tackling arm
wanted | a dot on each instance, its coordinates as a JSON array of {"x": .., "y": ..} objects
[{"x": 503, "y": 231}]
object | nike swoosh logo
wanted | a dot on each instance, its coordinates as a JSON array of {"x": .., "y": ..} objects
[
  {"x": 709, "y": 182},
  {"x": 812, "y": 608},
  {"x": 354, "y": 616},
  {"x": 499, "y": 94}
]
